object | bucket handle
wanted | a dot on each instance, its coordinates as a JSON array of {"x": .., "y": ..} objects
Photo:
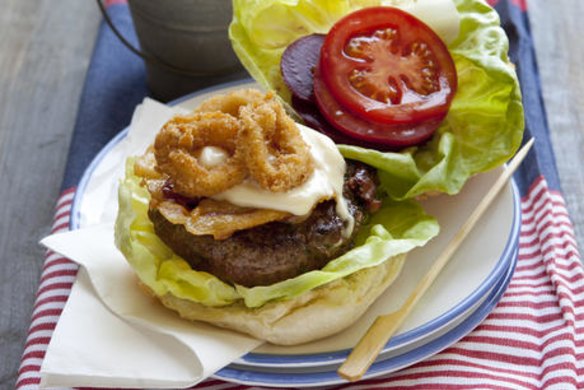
[{"x": 146, "y": 56}]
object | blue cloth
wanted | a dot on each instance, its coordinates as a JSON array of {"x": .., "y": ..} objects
[
  {"x": 541, "y": 160},
  {"x": 116, "y": 83}
]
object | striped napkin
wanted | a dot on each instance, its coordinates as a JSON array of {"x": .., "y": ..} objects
[{"x": 533, "y": 339}]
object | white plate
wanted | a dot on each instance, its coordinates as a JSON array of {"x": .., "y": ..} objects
[
  {"x": 473, "y": 275},
  {"x": 324, "y": 376}
]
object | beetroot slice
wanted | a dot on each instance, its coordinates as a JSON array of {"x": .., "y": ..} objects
[
  {"x": 312, "y": 117},
  {"x": 298, "y": 61}
]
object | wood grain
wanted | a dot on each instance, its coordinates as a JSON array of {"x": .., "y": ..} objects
[
  {"x": 558, "y": 29},
  {"x": 45, "y": 48}
]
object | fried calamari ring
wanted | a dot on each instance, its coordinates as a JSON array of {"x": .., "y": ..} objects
[
  {"x": 231, "y": 103},
  {"x": 181, "y": 139},
  {"x": 272, "y": 147}
]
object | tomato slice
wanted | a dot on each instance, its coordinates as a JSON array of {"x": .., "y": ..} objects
[
  {"x": 394, "y": 136},
  {"x": 384, "y": 65}
]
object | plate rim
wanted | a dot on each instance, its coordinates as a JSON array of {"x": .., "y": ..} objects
[{"x": 331, "y": 357}]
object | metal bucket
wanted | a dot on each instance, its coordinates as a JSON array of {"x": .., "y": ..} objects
[{"x": 185, "y": 44}]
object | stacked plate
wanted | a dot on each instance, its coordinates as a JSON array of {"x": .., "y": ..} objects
[
  {"x": 461, "y": 297},
  {"x": 319, "y": 369}
]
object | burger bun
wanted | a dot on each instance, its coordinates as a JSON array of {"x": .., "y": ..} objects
[{"x": 316, "y": 314}]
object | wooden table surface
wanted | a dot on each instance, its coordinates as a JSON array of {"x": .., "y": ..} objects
[{"x": 45, "y": 47}]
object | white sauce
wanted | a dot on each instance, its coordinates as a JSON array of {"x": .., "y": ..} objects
[
  {"x": 211, "y": 156},
  {"x": 326, "y": 182}
]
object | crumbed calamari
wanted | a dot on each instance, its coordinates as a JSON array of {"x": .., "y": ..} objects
[
  {"x": 182, "y": 138},
  {"x": 272, "y": 146},
  {"x": 262, "y": 144},
  {"x": 232, "y": 102}
]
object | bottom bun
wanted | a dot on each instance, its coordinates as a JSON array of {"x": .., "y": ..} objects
[{"x": 316, "y": 314}]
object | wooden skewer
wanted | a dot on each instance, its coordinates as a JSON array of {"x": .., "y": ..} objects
[{"x": 379, "y": 333}]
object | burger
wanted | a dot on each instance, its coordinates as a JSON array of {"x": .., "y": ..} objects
[{"x": 240, "y": 217}]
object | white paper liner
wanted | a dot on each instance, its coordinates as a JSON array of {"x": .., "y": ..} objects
[{"x": 111, "y": 333}]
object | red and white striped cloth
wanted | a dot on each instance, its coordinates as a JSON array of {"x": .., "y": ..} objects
[{"x": 534, "y": 339}]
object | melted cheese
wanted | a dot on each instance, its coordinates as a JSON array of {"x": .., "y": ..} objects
[{"x": 326, "y": 182}]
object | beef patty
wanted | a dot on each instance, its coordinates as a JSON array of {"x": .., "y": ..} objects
[{"x": 276, "y": 251}]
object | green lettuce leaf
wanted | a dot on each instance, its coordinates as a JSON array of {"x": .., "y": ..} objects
[
  {"x": 261, "y": 30},
  {"x": 396, "y": 229},
  {"x": 483, "y": 128}
]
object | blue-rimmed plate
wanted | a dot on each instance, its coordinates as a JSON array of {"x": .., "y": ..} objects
[
  {"x": 462, "y": 289},
  {"x": 306, "y": 377}
]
